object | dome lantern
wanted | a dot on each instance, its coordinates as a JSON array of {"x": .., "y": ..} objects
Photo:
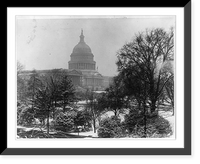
[
  {"x": 82, "y": 47},
  {"x": 81, "y": 36}
]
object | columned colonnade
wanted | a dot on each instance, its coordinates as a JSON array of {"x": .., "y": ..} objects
[
  {"x": 82, "y": 66},
  {"x": 93, "y": 81}
]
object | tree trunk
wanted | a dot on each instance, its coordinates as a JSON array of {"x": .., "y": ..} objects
[
  {"x": 145, "y": 121},
  {"x": 54, "y": 110},
  {"x": 139, "y": 105},
  {"x": 115, "y": 112},
  {"x": 172, "y": 103},
  {"x": 173, "y": 109},
  {"x": 48, "y": 123},
  {"x": 64, "y": 104},
  {"x": 153, "y": 106},
  {"x": 94, "y": 125}
]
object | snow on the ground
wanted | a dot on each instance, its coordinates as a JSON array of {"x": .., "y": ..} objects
[
  {"x": 87, "y": 134},
  {"x": 165, "y": 114},
  {"x": 171, "y": 118},
  {"x": 29, "y": 129}
]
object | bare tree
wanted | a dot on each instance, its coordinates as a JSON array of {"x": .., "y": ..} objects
[
  {"x": 94, "y": 107},
  {"x": 20, "y": 67},
  {"x": 144, "y": 58},
  {"x": 170, "y": 93},
  {"x": 21, "y": 83}
]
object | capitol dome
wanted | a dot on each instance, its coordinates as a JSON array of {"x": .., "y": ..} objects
[
  {"x": 82, "y": 47},
  {"x": 82, "y": 67},
  {"x": 82, "y": 57}
]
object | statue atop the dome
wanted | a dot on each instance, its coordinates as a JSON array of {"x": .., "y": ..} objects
[{"x": 81, "y": 36}]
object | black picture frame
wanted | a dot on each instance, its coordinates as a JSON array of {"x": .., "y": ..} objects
[{"x": 125, "y": 151}]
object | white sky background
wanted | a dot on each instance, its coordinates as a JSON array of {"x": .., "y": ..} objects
[{"x": 47, "y": 42}]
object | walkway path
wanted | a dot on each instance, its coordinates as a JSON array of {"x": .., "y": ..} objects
[{"x": 89, "y": 134}]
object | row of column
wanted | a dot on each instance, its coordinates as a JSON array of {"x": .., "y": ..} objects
[
  {"x": 95, "y": 82},
  {"x": 82, "y": 66}
]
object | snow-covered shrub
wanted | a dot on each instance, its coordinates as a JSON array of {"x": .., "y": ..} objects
[
  {"x": 64, "y": 121},
  {"x": 110, "y": 128}
]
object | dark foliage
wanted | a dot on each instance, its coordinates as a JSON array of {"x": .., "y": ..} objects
[
  {"x": 25, "y": 114},
  {"x": 156, "y": 126},
  {"x": 110, "y": 128},
  {"x": 70, "y": 121},
  {"x": 65, "y": 121},
  {"x": 115, "y": 97},
  {"x": 132, "y": 119}
]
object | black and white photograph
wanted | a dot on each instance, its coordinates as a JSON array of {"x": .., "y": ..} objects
[{"x": 95, "y": 77}]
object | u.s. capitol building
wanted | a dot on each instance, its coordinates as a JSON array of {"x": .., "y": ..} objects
[{"x": 82, "y": 68}]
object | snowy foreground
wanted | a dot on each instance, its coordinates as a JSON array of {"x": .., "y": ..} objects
[
  {"x": 171, "y": 118},
  {"x": 166, "y": 114}
]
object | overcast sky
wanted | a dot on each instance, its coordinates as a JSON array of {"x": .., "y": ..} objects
[{"x": 47, "y": 42}]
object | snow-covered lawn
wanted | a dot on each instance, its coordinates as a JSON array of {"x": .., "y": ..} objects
[
  {"x": 87, "y": 134},
  {"x": 171, "y": 118},
  {"x": 165, "y": 114}
]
